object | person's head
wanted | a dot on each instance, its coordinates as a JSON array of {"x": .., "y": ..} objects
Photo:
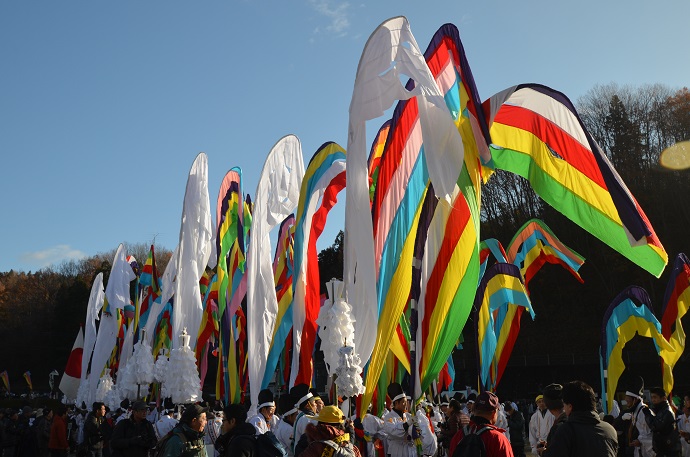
[
  {"x": 195, "y": 417},
  {"x": 27, "y": 411},
  {"x": 287, "y": 409},
  {"x": 578, "y": 396},
  {"x": 635, "y": 391},
  {"x": 48, "y": 412},
  {"x": 304, "y": 399},
  {"x": 553, "y": 397},
  {"x": 139, "y": 411},
  {"x": 540, "y": 402},
  {"x": 60, "y": 411},
  {"x": 267, "y": 406},
  {"x": 454, "y": 407},
  {"x": 330, "y": 415},
  {"x": 98, "y": 409},
  {"x": 397, "y": 396},
  {"x": 657, "y": 395},
  {"x": 486, "y": 406},
  {"x": 686, "y": 400},
  {"x": 471, "y": 399},
  {"x": 233, "y": 415},
  {"x": 508, "y": 407}
]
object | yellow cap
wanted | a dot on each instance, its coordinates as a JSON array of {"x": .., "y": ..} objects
[
  {"x": 329, "y": 415},
  {"x": 539, "y": 397}
]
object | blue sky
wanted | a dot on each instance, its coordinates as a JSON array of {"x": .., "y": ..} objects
[{"x": 104, "y": 105}]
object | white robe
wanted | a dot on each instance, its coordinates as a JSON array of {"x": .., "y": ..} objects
[
  {"x": 373, "y": 427},
  {"x": 645, "y": 433},
  {"x": 283, "y": 431},
  {"x": 539, "y": 427},
  {"x": 400, "y": 443},
  {"x": 300, "y": 425},
  {"x": 684, "y": 425}
]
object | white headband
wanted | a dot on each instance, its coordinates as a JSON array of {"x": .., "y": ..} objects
[
  {"x": 292, "y": 411},
  {"x": 399, "y": 396},
  {"x": 631, "y": 394},
  {"x": 268, "y": 403},
  {"x": 303, "y": 399}
]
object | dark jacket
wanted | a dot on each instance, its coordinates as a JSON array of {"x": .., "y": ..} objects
[
  {"x": 665, "y": 436},
  {"x": 583, "y": 434},
  {"x": 185, "y": 442},
  {"x": 93, "y": 431},
  {"x": 560, "y": 420},
  {"x": 132, "y": 439},
  {"x": 238, "y": 442},
  {"x": 322, "y": 432},
  {"x": 516, "y": 426}
]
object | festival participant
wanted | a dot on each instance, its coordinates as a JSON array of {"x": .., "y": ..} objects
[
  {"x": 307, "y": 406},
  {"x": 328, "y": 434},
  {"x": 165, "y": 424},
  {"x": 263, "y": 419},
  {"x": 41, "y": 432},
  {"x": 133, "y": 437},
  {"x": 373, "y": 432},
  {"x": 214, "y": 427},
  {"x": 317, "y": 399},
  {"x": 398, "y": 425},
  {"x": 452, "y": 424},
  {"x": 639, "y": 435},
  {"x": 283, "y": 431},
  {"x": 187, "y": 439},
  {"x": 553, "y": 398},
  {"x": 516, "y": 427},
  {"x": 484, "y": 412},
  {"x": 94, "y": 430},
  {"x": 662, "y": 421},
  {"x": 57, "y": 443},
  {"x": 236, "y": 439},
  {"x": 429, "y": 441},
  {"x": 539, "y": 424},
  {"x": 684, "y": 426},
  {"x": 584, "y": 434},
  {"x": 25, "y": 444}
]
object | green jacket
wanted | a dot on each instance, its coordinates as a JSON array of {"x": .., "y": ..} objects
[{"x": 190, "y": 445}]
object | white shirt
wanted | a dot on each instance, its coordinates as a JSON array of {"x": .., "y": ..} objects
[
  {"x": 539, "y": 426},
  {"x": 164, "y": 425},
  {"x": 429, "y": 443},
  {"x": 283, "y": 431},
  {"x": 645, "y": 436},
  {"x": 259, "y": 423},
  {"x": 684, "y": 425},
  {"x": 399, "y": 441},
  {"x": 299, "y": 428}
]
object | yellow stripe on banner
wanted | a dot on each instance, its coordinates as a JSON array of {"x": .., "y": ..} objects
[
  {"x": 452, "y": 277},
  {"x": 559, "y": 170},
  {"x": 399, "y": 351},
  {"x": 312, "y": 168},
  {"x": 394, "y": 305},
  {"x": 677, "y": 340},
  {"x": 626, "y": 332},
  {"x": 504, "y": 331}
]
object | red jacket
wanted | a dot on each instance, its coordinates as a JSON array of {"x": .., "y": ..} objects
[
  {"x": 496, "y": 443},
  {"x": 58, "y": 434}
]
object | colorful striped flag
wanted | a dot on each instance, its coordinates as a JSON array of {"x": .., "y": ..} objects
[
  {"x": 5, "y": 380},
  {"x": 323, "y": 180},
  {"x": 676, "y": 303},
  {"x": 27, "y": 378},
  {"x": 537, "y": 133},
  {"x": 628, "y": 315},
  {"x": 501, "y": 285}
]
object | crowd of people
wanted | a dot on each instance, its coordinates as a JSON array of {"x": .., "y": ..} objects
[{"x": 564, "y": 420}]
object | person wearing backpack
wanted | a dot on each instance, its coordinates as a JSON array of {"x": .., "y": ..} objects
[
  {"x": 237, "y": 439},
  {"x": 583, "y": 433},
  {"x": 134, "y": 436},
  {"x": 328, "y": 437},
  {"x": 187, "y": 438},
  {"x": 481, "y": 437}
]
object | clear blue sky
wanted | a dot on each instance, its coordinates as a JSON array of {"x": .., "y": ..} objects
[{"x": 104, "y": 105}]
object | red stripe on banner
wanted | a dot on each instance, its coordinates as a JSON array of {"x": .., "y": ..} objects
[
  {"x": 392, "y": 155},
  {"x": 312, "y": 299},
  {"x": 572, "y": 151},
  {"x": 457, "y": 221},
  {"x": 671, "y": 312}
]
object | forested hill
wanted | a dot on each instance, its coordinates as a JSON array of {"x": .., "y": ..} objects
[{"x": 41, "y": 312}]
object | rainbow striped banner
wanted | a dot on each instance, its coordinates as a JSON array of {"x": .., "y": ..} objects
[{"x": 676, "y": 303}]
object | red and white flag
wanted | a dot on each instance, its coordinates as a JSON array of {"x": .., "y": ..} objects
[{"x": 69, "y": 384}]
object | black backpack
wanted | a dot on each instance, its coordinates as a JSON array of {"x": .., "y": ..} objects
[
  {"x": 266, "y": 445},
  {"x": 471, "y": 444}
]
